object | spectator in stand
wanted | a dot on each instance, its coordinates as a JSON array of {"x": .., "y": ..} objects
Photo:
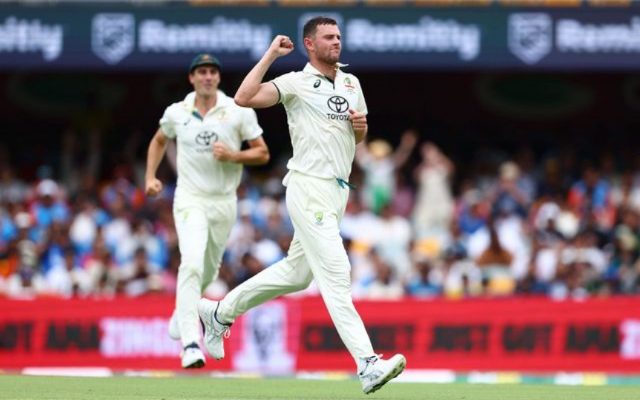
[
  {"x": 434, "y": 203},
  {"x": 591, "y": 195},
  {"x": 472, "y": 209},
  {"x": 8, "y": 232},
  {"x": 242, "y": 236},
  {"x": 48, "y": 208},
  {"x": 528, "y": 175},
  {"x": 547, "y": 246},
  {"x": 384, "y": 285},
  {"x": 403, "y": 201},
  {"x": 393, "y": 245},
  {"x": 552, "y": 183},
  {"x": 622, "y": 274},
  {"x": 140, "y": 277},
  {"x": 626, "y": 194},
  {"x": 461, "y": 278},
  {"x": 507, "y": 194},
  {"x": 12, "y": 189},
  {"x": 68, "y": 279},
  {"x": 117, "y": 231},
  {"x": 26, "y": 281},
  {"x": 121, "y": 188},
  {"x": 582, "y": 264},
  {"x": 424, "y": 283},
  {"x": 101, "y": 269},
  {"x": 142, "y": 235},
  {"x": 163, "y": 223},
  {"x": 85, "y": 223},
  {"x": 266, "y": 250},
  {"x": 52, "y": 251},
  {"x": 379, "y": 165},
  {"x": 495, "y": 264}
]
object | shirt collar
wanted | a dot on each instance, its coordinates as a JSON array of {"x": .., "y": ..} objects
[
  {"x": 310, "y": 69},
  {"x": 189, "y": 101}
]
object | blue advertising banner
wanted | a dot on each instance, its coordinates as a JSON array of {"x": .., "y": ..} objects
[{"x": 125, "y": 37}]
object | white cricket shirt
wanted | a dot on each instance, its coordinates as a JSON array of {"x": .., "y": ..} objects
[
  {"x": 318, "y": 115},
  {"x": 199, "y": 173}
]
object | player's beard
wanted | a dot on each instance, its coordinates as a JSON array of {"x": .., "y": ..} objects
[{"x": 330, "y": 57}]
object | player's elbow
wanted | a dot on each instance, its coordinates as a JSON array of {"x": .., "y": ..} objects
[{"x": 241, "y": 100}]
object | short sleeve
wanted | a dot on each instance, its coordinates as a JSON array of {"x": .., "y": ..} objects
[
  {"x": 167, "y": 124},
  {"x": 286, "y": 86},
  {"x": 250, "y": 129}
]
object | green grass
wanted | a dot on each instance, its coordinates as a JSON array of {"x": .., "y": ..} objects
[{"x": 204, "y": 388}]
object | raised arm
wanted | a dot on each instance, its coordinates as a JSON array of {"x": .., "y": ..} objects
[
  {"x": 407, "y": 143},
  {"x": 252, "y": 92}
]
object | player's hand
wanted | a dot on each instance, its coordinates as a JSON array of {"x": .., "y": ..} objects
[
  {"x": 280, "y": 46},
  {"x": 222, "y": 153},
  {"x": 358, "y": 121},
  {"x": 153, "y": 186}
]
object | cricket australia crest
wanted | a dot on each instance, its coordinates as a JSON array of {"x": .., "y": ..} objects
[
  {"x": 530, "y": 36},
  {"x": 112, "y": 36}
]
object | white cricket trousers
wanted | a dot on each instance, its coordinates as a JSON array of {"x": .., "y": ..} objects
[
  {"x": 203, "y": 225},
  {"x": 316, "y": 207}
]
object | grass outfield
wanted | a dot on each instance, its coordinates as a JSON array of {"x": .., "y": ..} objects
[{"x": 205, "y": 388}]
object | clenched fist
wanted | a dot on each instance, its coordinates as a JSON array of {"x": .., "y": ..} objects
[
  {"x": 153, "y": 186},
  {"x": 222, "y": 153},
  {"x": 280, "y": 46}
]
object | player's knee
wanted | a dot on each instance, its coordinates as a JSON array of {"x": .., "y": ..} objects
[{"x": 303, "y": 284}]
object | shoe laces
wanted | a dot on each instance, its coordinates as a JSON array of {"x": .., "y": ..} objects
[
  {"x": 370, "y": 361},
  {"x": 225, "y": 332}
]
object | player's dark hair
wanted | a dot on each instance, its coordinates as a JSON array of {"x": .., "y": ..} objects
[{"x": 311, "y": 26}]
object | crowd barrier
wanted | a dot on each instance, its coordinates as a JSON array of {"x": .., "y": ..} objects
[{"x": 296, "y": 334}]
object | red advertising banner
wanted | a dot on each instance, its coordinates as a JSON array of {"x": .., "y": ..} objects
[{"x": 517, "y": 334}]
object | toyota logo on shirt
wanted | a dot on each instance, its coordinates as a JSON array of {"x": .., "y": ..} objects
[
  {"x": 338, "y": 104},
  {"x": 206, "y": 137}
]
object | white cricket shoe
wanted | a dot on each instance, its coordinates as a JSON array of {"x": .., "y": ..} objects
[
  {"x": 174, "y": 328},
  {"x": 214, "y": 331},
  {"x": 192, "y": 357},
  {"x": 376, "y": 372}
]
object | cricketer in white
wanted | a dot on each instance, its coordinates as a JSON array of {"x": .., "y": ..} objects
[
  {"x": 209, "y": 129},
  {"x": 326, "y": 113}
]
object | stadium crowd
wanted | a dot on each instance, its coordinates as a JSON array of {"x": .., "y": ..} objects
[{"x": 519, "y": 223}]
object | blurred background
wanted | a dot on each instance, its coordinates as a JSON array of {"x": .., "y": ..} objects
[{"x": 497, "y": 209}]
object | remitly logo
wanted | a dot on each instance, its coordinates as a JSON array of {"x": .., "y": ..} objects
[
  {"x": 31, "y": 36},
  {"x": 339, "y": 105}
]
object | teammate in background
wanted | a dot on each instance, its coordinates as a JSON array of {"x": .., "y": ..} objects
[
  {"x": 209, "y": 129},
  {"x": 326, "y": 112}
]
